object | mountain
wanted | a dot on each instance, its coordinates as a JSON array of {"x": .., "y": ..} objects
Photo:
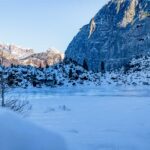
[
  {"x": 16, "y": 51},
  {"x": 50, "y": 57},
  {"x": 13, "y": 54},
  {"x": 119, "y": 32}
]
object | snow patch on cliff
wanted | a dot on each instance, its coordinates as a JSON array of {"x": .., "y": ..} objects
[
  {"x": 129, "y": 14},
  {"x": 92, "y": 27}
]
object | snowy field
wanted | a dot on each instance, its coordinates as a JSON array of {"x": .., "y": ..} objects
[{"x": 115, "y": 118}]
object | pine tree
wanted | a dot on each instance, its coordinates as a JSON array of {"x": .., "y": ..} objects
[
  {"x": 85, "y": 66},
  {"x": 70, "y": 73},
  {"x": 2, "y": 81}
]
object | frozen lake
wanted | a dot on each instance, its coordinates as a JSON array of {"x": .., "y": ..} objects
[
  {"x": 123, "y": 91},
  {"x": 115, "y": 118}
]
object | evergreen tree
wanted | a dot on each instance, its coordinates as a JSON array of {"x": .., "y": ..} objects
[
  {"x": 70, "y": 73},
  {"x": 85, "y": 66}
]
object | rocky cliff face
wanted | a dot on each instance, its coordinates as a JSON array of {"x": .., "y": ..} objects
[
  {"x": 20, "y": 56},
  {"x": 119, "y": 32}
]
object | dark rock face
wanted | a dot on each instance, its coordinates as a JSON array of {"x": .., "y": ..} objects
[{"x": 119, "y": 32}]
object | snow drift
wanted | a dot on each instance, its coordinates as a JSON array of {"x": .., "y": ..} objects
[{"x": 18, "y": 134}]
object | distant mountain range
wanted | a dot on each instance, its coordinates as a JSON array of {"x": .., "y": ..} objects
[{"x": 16, "y": 55}]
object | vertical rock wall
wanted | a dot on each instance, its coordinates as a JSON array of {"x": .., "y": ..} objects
[{"x": 121, "y": 32}]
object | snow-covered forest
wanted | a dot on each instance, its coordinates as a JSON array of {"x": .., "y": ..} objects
[{"x": 137, "y": 72}]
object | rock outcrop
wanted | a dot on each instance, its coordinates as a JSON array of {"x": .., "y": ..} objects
[{"x": 119, "y": 32}]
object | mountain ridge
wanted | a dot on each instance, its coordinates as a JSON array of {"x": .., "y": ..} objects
[{"x": 17, "y": 55}]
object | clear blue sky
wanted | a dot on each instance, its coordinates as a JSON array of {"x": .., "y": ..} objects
[{"x": 40, "y": 24}]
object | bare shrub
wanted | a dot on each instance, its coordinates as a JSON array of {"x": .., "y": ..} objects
[{"x": 20, "y": 106}]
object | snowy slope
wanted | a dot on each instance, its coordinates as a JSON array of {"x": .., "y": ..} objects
[{"x": 18, "y": 134}]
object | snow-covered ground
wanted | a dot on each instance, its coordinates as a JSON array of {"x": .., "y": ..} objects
[
  {"x": 98, "y": 118},
  {"x": 19, "y": 134}
]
